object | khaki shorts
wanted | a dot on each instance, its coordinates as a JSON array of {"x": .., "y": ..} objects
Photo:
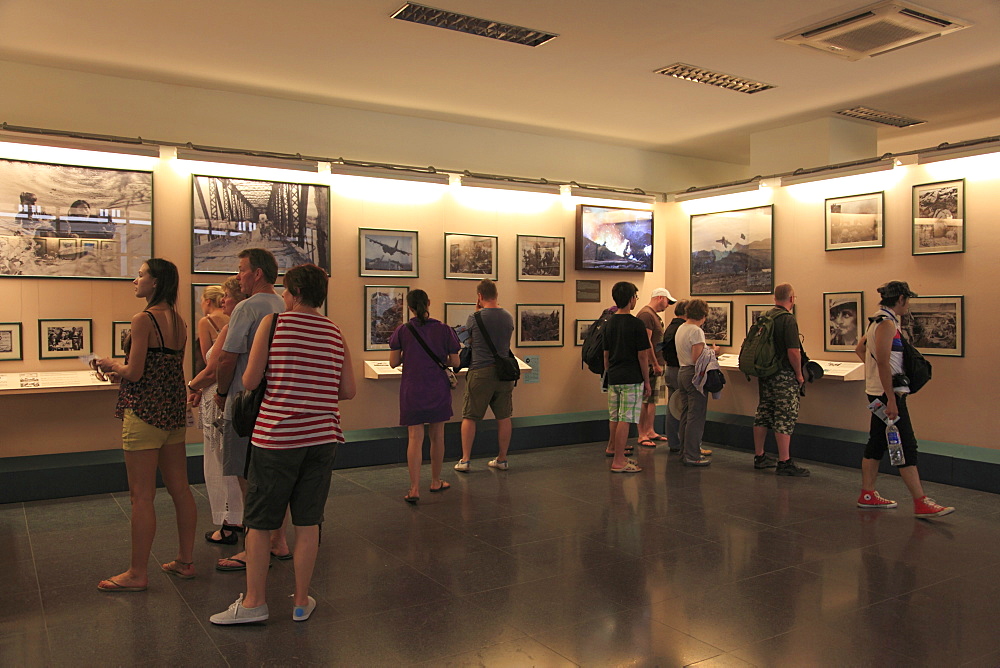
[
  {"x": 484, "y": 390},
  {"x": 137, "y": 435}
]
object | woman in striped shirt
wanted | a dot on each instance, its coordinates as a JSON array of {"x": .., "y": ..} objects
[{"x": 309, "y": 371}]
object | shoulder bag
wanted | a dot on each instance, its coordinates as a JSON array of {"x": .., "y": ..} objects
[
  {"x": 507, "y": 368},
  {"x": 246, "y": 403},
  {"x": 452, "y": 378}
]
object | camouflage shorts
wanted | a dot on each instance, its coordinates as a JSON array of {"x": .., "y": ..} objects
[{"x": 779, "y": 402}]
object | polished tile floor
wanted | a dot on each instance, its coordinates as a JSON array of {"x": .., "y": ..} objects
[{"x": 555, "y": 562}]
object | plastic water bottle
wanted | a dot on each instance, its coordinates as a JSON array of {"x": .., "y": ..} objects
[{"x": 895, "y": 442}]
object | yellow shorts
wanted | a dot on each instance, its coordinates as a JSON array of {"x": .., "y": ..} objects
[{"x": 137, "y": 435}]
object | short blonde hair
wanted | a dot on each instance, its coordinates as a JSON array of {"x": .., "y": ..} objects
[
  {"x": 214, "y": 294},
  {"x": 232, "y": 288}
]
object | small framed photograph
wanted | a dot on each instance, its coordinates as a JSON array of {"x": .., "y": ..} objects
[
  {"x": 470, "y": 256},
  {"x": 939, "y": 217},
  {"x": 539, "y": 325},
  {"x": 754, "y": 311},
  {"x": 588, "y": 291},
  {"x": 69, "y": 249},
  {"x": 59, "y": 339},
  {"x": 387, "y": 253},
  {"x": 541, "y": 258},
  {"x": 582, "y": 327},
  {"x": 855, "y": 222},
  {"x": 936, "y": 325},
  {"x": 11, "y": 345},
  {"x": 844, "y": 314},
  {"x": 719, "y": 324},
  {"x": 90, "y": 247},
  {"x": 385, "y": 308},
  {"x": 120, "y": 332}
]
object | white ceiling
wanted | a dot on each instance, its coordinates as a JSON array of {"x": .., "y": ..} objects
[{"x": 594, "y": 81}]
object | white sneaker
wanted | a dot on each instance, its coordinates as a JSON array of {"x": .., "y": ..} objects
[
  {"x": 300, "y": 613},
  {"x": 497, "y": 464},
  {"x": 463, "y": 465},
  {"x": 237, "y": 614}
]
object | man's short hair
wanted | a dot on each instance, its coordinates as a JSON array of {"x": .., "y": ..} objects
[
  {"x": 681, "y": 308},
  {"x": 261, "y": 258},
  {"x": 783, "y": 292},
  {"x": 307, "y": 282},
  {"x": 623, "y": 292},
  {"x": 696, "y": 309},
  {"x": 487, "y": 289}
]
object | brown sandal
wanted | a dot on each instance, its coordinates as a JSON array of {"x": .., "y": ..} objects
[{"x": 177, "y": 568}]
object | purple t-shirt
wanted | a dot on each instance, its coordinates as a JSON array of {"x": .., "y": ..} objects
[{"x": 424, "y": 394}]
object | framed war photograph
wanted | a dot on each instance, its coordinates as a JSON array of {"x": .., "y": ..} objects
[
  {"x": 855, "y": 222},
  {"x": 754, "y": 311},
  {"x": 292, "y": 220},
  {"x": 539, "y": 325},
  {"x": 939, "y": 217},
  {"x": 388, "y": 253},
  {"x": 120, "y": 331},
  {"x": 457, "y": 314},
  {"x": 719, "y": 324},
  {"x": 54, "y": 220},
  {"x": 614, "y": 239},
  {"x": 844, "y": 314},
  {"x": 582, "y": 327},
  {"x": 385, "y": 307},
  {"x": 11, "y": 344},
  {"x": 732, "y": 252},
  {"x": 470, "y": 256},
  {"x": 59, "y": 339},
  {"x": 588, "y": 291},
  {"x": 541, "y": 258},
  {"x": 936, "y": 325}
]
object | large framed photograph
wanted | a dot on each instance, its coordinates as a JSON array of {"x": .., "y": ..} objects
[
  {"x": 754, "y": 311},
  {"x": 539, "y": 325},
  {"x": 59, "y": 339},
  {"x": 582, "y": 327},
  {"x": 388, "y": 253},
  {"x": 936, "y": 325},
  {"x": 292, "y": 220},
  {"x": 614, "y": 239},
  {"x": 541, "y": 258},
  {"x": 385, "y": 307},
  {"x": 719, "y": 324},
  {"x": 11, "y": 344},
  {"x": 844, "y": 314},
  {"x": 855, "y": 222},
  {"x": 67, "y": 221},
  {"x": 470, "y": 256},
  {"x": 732, "y": 252},
  {"x": 939, "y": 217},
  {"x": 120, "y": 331}
]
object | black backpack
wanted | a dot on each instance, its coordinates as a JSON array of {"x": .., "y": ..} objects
[
  {"x": 917, "y": 369},
  {"x": 593, "y": 345}
]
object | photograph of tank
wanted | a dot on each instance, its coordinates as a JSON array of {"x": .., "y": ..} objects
[
  {"x": 939, "y": 217},
  {"x": 470, "y": 256},
  {"x": 936, "y": 325},
  {"x": 388, "y": 253},
  {"x": 855, "y": 222},
  {"x": 384, "y": 309},
  {"x": 614, "y": 239},
  {"x": 539, "y": 325},
  {"x": 732, "y": 252}
]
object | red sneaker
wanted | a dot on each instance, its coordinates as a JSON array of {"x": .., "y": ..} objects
[
  {"x": 928, "y": 507},
  {"x": 873, "y": 499}
]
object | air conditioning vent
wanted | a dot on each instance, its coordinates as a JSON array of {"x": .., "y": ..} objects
[
  {"x": 874, "y": 30},
  {"x": 711, "y": 78},
  {"x": 440, "y": 18}
]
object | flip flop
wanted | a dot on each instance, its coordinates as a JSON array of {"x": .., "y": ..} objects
[
  {"x": 444, "y": 485},
  {"x": 115, "y": 587},
  {"x": 412, "y": 500},
  {"x": 658, "y": 437},
  {"x": 169, "y": 569},
  {"x": 647, "y": 443},
  {"x": 282, "y": 557},
  {"x": 242, "y": 565},
  {"x": 629, "y": 467}
]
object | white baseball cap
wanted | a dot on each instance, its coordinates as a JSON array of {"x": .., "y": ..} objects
[{"x": 663, "y": 292}]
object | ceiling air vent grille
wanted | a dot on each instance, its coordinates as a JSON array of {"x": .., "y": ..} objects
[
  {"x": 876, "y": 116},
  {"x": 874, "y": 30},
  {"x": 440, "y": 18},
  {"x": 701, "y": 75}
]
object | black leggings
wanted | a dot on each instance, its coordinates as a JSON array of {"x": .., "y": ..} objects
[{"x": 877, "y": 445}]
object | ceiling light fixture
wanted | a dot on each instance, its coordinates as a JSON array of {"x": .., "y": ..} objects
[
  {"x": 876, "y": 116},
  {"x": 964, "y": 149},
  {"x": 440, "y": 18},
  {"x": 880, "y": 164},
  {"x": 599, "y": 192},
  {"x": 251, "y": 158},
  {"x": 385, "y": 171},
  {"x": 472, "y": 180},
  {"x": 700, "y": 192},
  {"x": 717, "y": 79}
]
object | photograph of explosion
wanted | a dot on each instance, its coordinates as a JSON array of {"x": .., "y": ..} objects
[
  {"x": 613, "y": 239},
  {"x": 732, "y": 252}
]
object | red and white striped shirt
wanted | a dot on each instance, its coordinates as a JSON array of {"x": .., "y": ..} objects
[{"x": 301, "y": 403}]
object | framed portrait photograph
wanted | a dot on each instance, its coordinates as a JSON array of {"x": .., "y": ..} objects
[
  {"x": 470, "y": 256},
  {"x": 54, "y": 217},
  {"x": 936, "y": 325},
  {"x": 385, "y": 309},
  {"x": 855, "y": 222},
  {"x": 541, "y": 258},
  {"x": 754, "y": 311},
  {"x": 719, "y": 324},
  {"x": 614, "y": 239},
  {"x": 120, "y": 331},
  {"x": 539, "y": 325},
  {"x": 11, "y": 344},
  {"x": 292, "y": 220},
  {"x": 844, "y": 313},
  {"x": 60, "y": 339},
  {"x": 582, "y": 327},
  {"x": 939, "y": 217},
  {"x": 387, "y": 253},
  {"x": 732, "y": 252}
]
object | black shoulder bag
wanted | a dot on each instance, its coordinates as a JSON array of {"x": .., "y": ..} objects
[
  {"x": 452, "y": 378},
  {"x": 507, "y": 368},
  {"x": 246, "y": 403}
]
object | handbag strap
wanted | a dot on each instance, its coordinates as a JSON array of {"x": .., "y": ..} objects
[
  {"x": 420, "y": 340},
  {"x": 270, "y": 340},
  {"x": 486, "y": 335}
]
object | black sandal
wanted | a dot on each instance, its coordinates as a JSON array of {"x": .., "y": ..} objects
[{"x": 228, "y": 535}]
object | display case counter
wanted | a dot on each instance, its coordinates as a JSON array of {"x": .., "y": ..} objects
[
  {"x": 380, "y": 369},
  {"x": 40, "y": 382},
  {"x": 831, "y": 370}
]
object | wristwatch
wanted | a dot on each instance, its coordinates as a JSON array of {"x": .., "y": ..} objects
[{"x": 191, "y": 389}]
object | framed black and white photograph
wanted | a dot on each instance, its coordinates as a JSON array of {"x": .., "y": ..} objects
[
  {"x": 732, "y": 252},
  {"x": 385, "y": 308},
  {"x": 614, "y": 239},
  {"x": 582, "y": 326},
  {"x": 588, "y": 291},
  {"x": 541, "y": 258},
  {"x": 388, "y": 253},
  {"x": 470, "y": 256},
  {"x": 54, "y": 217},
  {"x": 292, "y": 220},
  {"x": 60, "y": 339},
  {"x": 844, "y": 314},
  {"x": 457, "y": 314},
  {"x": 939, "y": 217},
  {"x": 855, "y": 222},
  {"x": 11, "y": 344},
  {"x": 120, "y": 331},
  {"x": 754, "y": 311},
  {"x": 539, "y": 325},
  {"x": 936, "y": 325},
  {"x": 719, "y": 324}
]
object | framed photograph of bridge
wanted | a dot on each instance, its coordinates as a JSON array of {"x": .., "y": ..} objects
[
  {"x": 292, "y": 220},
  {"x": 732, "y": 252},
  {"x": 388, "y": 253}
]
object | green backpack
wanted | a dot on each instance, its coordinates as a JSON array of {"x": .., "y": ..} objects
[{"x": 758, "y": 356}]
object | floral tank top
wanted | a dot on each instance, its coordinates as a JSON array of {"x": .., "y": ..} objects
[{"x": 158, "y": 397}]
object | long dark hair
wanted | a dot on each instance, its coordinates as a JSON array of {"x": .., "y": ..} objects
[
  {"x": 418, "y": 302},
  {"x": 167, "y": 281}
]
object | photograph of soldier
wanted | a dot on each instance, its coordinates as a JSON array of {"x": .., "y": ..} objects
[
  {"x": 718, "y": 330},
  {"x": 934, "y": 325},
  {"x": 539, "y": 325},
  {"x": 64, "y": 338},
  {"x": 385, "y": 310},
  {"x": 854, "y": 222},
  {"x": 540, "y": 258},
  {"x": 470, "y": 256}
]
